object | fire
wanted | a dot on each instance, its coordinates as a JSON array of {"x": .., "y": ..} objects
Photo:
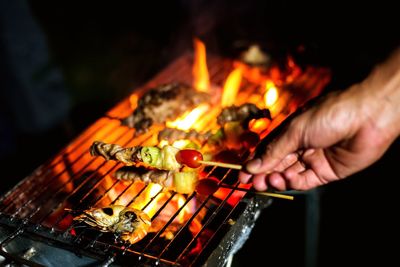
[
  {"x": 201, "y": 80},
  {"x": 271, "y": 94},
  {"x": 231, "y": 87},
  {"x": 188, "y": 120},
  {"x": 133, "y": 100},
  {"x": 151, "y": 191}
]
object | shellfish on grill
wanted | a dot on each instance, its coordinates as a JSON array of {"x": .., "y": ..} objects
[{"x": 132, "y": 224}]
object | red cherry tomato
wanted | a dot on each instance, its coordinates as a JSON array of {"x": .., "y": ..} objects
[
  {"x": 189, "y": 157},
  {"x": 249, "y": 139}
]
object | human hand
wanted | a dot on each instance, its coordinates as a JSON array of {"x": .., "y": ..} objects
[{"x": 342, "y": 134}]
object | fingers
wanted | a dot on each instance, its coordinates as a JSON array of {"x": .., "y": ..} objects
[
  {"x": 289, "y": 160},
  {"x": 289, "y": 142}
]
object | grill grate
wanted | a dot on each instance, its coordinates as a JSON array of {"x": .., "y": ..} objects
[{"x": 35, "y": 210}]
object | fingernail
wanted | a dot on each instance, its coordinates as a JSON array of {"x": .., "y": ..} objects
[
  {"x": 308, "y": 152},
  {"x": 244, "y": 177},
  {"x": 253, "y": 165}
]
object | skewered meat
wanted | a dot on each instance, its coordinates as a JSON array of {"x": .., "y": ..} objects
[
  {"x": 183, "y": 181},
  {"x": 165, "y": 102},
  {"x": 115, "y": 152},
  {"x": 145, "y": 175},
  {"x": 243, "y": 114},
  {"x": 163, "y": 158}
]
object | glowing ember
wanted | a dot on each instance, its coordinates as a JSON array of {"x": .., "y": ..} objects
[
  {"x": 271, "y": 95},
  {"x": 201, "y": 80},
  {"x": 188, "y": 119},
  {"x": 231, "y": 88}
]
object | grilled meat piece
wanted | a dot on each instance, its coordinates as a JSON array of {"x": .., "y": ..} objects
[
  {"x": 145, "y": 175},
  {"x": 165, "y": 102},
  {"x": 115, "y": 152},
  {"x": 243, "y": 114},
  {"x": 171, "y": 135}
]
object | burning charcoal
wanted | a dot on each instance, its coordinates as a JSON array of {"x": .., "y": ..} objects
[
  {"x": 243, "y": 114},
  {"x": 166, "y": 102},
  {"x": 171, "y": 135},
  {"x": 145, "y": 175}
]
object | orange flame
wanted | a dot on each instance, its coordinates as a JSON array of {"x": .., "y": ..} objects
[
  {"x": 201, "y": 80},
  {"x": 271, "y": 94},
  {"x": 133, "y": 100},
  {"x": 231, "y": 87}
]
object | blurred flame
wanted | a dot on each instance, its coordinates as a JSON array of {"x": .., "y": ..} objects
[
  {"x": 187, "y": 120},
  {"x": 181, "y": 215},
  {"x": 201, "y": 80},
  {"x": 259, "y": 125},
  {"x": 133, "y": 100},
  {"x": 151, "y": 191},
  {"x": 271, "y": 94},
  {"x": 231, "y": 87}
]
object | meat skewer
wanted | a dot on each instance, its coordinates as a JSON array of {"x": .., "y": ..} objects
[
  {"x": 163, "y": 159},
  {"x": 166, "y": 158}
]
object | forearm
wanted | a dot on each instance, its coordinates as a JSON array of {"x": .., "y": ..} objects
[{"x": 381, "y": 94}]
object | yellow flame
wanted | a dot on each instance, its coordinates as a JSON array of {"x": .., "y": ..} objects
[
  {"x": 151, "y": 191},
  {"x": 231, "y": 87},
  {"x": 181, "y": 143},
  {"x": 271, "y": 95},
  {"x": 186, "y": 121},
  {"x": 181, "y": 215},
  {"x": 201, "y": 79}
]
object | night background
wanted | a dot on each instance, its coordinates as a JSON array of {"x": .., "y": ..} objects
[{"x": 63, "y": 65}]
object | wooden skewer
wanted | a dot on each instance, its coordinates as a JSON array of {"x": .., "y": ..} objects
[
  {"x": 259, "y": 193},
  {"x": 221, "y": 164}
]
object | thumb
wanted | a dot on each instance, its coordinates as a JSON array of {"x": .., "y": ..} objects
[{"x": 286, "y": 143}]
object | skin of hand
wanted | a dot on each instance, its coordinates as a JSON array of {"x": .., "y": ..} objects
[{"x": 342, "y": 134}]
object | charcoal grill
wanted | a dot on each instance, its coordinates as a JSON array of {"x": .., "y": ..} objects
[{"x": 35, "y": 216}]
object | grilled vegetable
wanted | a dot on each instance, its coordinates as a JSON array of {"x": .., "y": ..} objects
[
  {"x": 131, "y": 223},
  {"x": 185, "y": 182}
]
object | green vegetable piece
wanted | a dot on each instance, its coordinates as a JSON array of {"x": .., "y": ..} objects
[{"x": 151, "y": 155}]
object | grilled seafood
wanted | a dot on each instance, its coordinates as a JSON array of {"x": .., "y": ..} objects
[
  {"x": 163, "y": 159},
  {"x": 243, "y": 114},
  {"x": 165, "y": 102},
  {"x": 132, "y": 224}
]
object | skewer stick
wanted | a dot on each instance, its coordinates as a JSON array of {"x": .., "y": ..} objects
[
  {"x": 259, "y": 193},
  {"x": 221, "y": 164}
]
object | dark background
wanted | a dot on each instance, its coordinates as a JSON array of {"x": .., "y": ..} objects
[{"x": 105, "y": 50}]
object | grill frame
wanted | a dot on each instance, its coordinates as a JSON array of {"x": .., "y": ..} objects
[{"x": 244, "y": 213}]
